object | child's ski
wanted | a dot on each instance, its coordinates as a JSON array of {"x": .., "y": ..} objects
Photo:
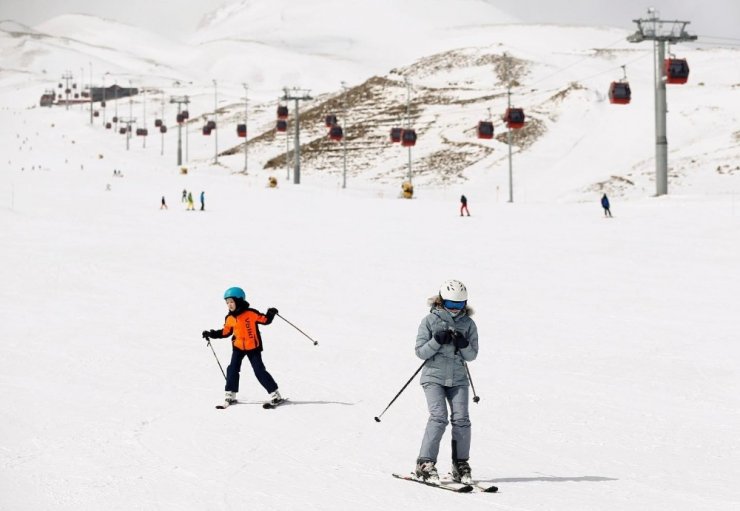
[
  {"x": 274, "y": 404},
  {"x": 456, "y": 487}
]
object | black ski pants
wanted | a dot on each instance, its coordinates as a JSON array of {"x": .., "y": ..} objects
[{"x": 255, "y": 359}]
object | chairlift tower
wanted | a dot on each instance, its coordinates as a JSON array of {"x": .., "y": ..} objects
[
  {"x": 660, "y": 32},
  {"x": 246, "y": 118},
  {"x": 344, "y": 138},
  {"x": 215, "y": 120},
  {"x": 296, "y": 95},
  {"x": 67, "y": 77},
  {"x": 128, "y": 122},
  {"x": 408, "y": 120},
  {"x": 180, "y": 100}
]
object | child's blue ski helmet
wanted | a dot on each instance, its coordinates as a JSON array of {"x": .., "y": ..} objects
[{"x": 235, "y": 292}]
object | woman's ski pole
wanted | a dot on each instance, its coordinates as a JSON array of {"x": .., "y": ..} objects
[
  {"x": 475, "y": 398},
  {"x": 217, "y": 361},
  {"x": 377, "y": 419},
  {"x": 315, "y": 343}
]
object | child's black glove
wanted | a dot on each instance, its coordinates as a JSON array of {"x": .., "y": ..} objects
[
  {"x": 272, "y": 311},
  {"x": 459, "y": 340},
  {"x": 206, "y": 334},
  {"x": 443, "y": 337}
]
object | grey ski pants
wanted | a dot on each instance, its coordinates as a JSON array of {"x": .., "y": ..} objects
[{"x": 437, "y": 398}]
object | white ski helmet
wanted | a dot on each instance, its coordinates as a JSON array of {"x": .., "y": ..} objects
[{"x": 453, "y": 290}]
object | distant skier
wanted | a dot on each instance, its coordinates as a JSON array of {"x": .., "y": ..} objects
[
  {"x": 191, "y": 205},
  {"x": 242, "y": 323},
  {"x": 184, "y": 195},
  {"x": 202, "y": 201},
  {"x": 605, "y": 205},
  {"x": 164, "y": 204},
  {"x": 447, "y": 339},
  {"x": 464, "y": 205}
]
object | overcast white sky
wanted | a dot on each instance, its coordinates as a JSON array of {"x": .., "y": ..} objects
[{"x": 175, "y": 18}]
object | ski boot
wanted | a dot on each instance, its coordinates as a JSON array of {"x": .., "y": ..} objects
[
  {"x": 427, "y": 472},
  {"x": 275, "y": 398},
  {"x": 230, "y": 398},
  {"x": 461, "y": 472}
]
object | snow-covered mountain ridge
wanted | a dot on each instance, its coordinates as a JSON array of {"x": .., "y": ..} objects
[{"x": 564, "y": 73}]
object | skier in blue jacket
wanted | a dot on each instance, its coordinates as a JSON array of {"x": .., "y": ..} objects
[
  {"x": 447, "y": 339},
  {"x": 605, "y": 205}
]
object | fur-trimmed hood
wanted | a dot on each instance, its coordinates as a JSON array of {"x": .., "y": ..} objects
[{"x": 435, "y": 302}]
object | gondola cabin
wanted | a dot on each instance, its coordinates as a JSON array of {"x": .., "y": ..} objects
[
  {"x": 241, "y": 130},
  {"x": 330, "y": 120},
  {"x": 396, "y": 134},
  {"x": 211, "y": 125},
  {"x": 620, "y": 93},
  {"x": 102, "y": 104},
  {"x": 157, "y": 123},
  {"x": 408, "y": 138},
  {"x": 206, "y": 130},
  {"x": 142, "y": 132},
  {"x": 185, "y": 114},
  {"x": 108, "y": 125},
  {"x": 163, "y": 129},
  {"x": 514, "y": 118},
  {"x": 281, "y": 125},
  {"x": 115, "y": 119},
  {"x": 180, "y": 119},
  {"x": 676, "y": 71},
  {"x": 336, "y": 133},
  {"x": 122, "y": 131},
  {"x": 282, "y": 112},
  {"x": 96, "y": 114},
  {"x": 485, "y": 129}
]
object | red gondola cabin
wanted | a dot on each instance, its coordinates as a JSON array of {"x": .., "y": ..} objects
[
  {"x": 241, "y": 130},
  {"x": 396, "y": 134},
  {"x": 157, "y": 123},
  {"x": 142, "y": 132},
  {"x": 185, "y": 114},
  {"x": 408, "y": 138},
  {"x": 206, "y": 130},
  {"x": 485, "y": 129},
  {"x": 620, "y": 93},
  {"x": 163, "y": 129},
  {"x": 108, "y": 125},
  {"x": 330, "y": 120},
  {"x": 281, "y": 125},
  {"x": 180, "y": 119},
  {"x": 122, "y": 131},
  {"x": 282, "y": 112},
  {"x": 514, "y": 118},
  {"x": 676, "y": 71},
  {"x": 336, "y": 133}
]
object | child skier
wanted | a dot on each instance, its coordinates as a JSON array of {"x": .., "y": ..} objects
[
  {"x": 447, "y": 339},
  {"x": 242, "y": 323}
]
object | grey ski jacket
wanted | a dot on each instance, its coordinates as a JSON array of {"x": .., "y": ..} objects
[{"x": 445, "y": 362}]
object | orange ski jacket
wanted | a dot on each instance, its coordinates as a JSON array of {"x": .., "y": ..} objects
[{"x": 243, "y": 326}]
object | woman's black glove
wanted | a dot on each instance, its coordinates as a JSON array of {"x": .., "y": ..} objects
[
  {"x": 459, "y": 340},
  {"x": 443, "y": 337}
]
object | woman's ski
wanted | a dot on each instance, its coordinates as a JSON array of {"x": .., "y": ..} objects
[{"x": 456, "y": 487}]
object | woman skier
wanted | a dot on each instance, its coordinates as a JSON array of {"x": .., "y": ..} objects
[
  {"x": 447, "y": 339},
  {"x": 242, "y": 323}
]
